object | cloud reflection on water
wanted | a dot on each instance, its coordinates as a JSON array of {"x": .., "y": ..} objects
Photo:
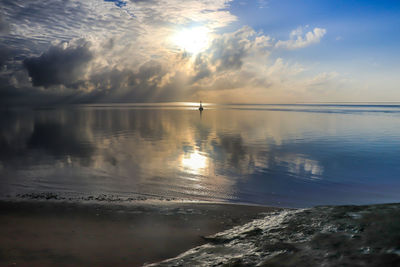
[{"x": 237, "y": 155}]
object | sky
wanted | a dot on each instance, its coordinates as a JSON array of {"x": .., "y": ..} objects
[{"x": 260, "y": 51}]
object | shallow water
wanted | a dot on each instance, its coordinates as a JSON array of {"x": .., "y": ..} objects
[{"x": 278, "y": 155}]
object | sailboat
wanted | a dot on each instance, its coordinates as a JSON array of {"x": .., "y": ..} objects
[{"x": 201, "y": 107}]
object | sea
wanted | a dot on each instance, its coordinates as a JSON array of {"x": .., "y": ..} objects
[{"x": 282, "y": 155}]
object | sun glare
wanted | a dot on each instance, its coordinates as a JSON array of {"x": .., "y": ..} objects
[
  {"x": 192, "y": 40},
  {"x": 194, "y": 162}
]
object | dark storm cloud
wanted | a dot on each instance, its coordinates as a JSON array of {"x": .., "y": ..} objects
[
  {"x": 126, "y": 85},
  {"x": 5, "y": 54},
  {"x": 58, "y": 65},
  {"x": 4, "y": 27},
  {"x": 27, "y": 62}
]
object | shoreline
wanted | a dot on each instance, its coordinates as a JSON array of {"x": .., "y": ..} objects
[
  {"x": 174, "y": 233},
  {"x": 67, "y": 233}
]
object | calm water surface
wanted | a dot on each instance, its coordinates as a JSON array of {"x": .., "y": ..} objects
[{"x": 280, "y": 155}]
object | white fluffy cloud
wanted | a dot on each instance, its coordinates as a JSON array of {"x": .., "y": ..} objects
[{"x": 299, "y": 40}]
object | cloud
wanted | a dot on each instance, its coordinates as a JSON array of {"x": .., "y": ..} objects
[
  {"x": 229, "y": 52},
  {"x": 61, "y": 64},
  {"x": 126, "y": 85},
  {"x": 297, "y": 40},
  {"x": 4, "y": 27},
  {"x": 97, "y": 51},
  {"x": 5, "y": 54},
  {"x": 213, "y": 14},
  {"x": 100, "y": 74}
]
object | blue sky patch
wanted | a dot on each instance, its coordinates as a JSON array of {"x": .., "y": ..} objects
[{"x": 118, "y": 3}]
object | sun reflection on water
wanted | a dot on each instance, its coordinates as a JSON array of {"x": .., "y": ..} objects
[{"x": 195, "y": 162}]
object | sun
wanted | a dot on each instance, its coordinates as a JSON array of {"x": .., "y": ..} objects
[{"x": 192, "y": 40}]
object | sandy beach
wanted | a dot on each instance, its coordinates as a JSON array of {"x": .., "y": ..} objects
[
  {"x": 167, "y": 233},
  {"x": 48, "y": 233}
]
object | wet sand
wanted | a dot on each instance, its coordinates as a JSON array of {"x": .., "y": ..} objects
[
  {"x": 45, "y": 233},
  {"x": 320, "y": 236}
]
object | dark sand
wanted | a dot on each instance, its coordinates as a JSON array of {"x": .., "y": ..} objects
[{"x": 44, "y": 233}]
